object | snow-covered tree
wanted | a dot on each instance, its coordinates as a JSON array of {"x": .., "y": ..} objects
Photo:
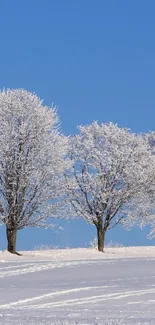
[
  {"x": 32, "y": 160},
  {"x": 111, "y": 169},
  {"x": 147, "y": 197}
]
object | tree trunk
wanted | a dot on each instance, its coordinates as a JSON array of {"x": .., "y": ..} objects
[
  {"x": 100, "y": 239},
  {"x": 11, "y": 238}
]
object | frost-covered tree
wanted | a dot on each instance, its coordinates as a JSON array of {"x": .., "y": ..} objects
[
  {"x": 111, "y": 169},
  {"x": 32, "y": 160},
  {"x": 147, "y": 198}
]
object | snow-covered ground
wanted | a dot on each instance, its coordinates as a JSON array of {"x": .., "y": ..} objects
[{"x": 78, "y": 286}]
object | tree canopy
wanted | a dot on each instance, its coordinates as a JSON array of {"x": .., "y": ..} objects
[
  {"x": 111, "y": 168},
  {"x": 32, "y": 159}
]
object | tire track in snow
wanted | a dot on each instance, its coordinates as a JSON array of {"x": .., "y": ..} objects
[
  {"x": 16, "y": 266},
  {"x": 50, "y": 295},
  {"x": 38, "y": 268},
  {"x": 26, "y": 270},
  {"x": 90, "y": 300},
  {"x": 28, "y": 303}
]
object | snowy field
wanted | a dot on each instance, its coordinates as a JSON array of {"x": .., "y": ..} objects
[{"x": 78, "y": 286}]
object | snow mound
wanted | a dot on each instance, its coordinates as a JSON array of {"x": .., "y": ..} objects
[{"x": 81, "y": 254}]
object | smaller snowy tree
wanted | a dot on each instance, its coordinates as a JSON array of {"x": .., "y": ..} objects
[
  {"x": 111, "y": 169},
  {"x": 32, "y": 161},
  {"x": 146, "y": 206}
]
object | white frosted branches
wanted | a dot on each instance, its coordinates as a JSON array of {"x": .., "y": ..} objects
[
  {"x": 112, "y": 169},
  {"x": 32, "y": 160}
]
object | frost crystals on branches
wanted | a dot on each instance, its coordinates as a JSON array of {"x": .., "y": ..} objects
[
  {"x": 112, "y": 167},
  {"x": 32, "y": 160}
]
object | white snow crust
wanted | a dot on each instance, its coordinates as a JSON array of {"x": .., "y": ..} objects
[{"x": 78, "y": 286}]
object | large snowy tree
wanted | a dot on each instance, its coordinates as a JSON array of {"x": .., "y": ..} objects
[
  {"x": 32, "y": 160},
  {"x": 111, "y": 169}
]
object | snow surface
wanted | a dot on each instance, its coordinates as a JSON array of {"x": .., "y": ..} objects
[{"x": 78, "y": 286}]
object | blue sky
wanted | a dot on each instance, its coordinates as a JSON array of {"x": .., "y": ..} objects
[{"x": 95, "y": 60}]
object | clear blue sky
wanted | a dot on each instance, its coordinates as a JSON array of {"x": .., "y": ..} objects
[{"x": 95, "y": 60}]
